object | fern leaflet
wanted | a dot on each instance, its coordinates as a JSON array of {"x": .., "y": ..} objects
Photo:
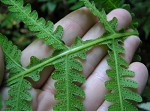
[
  {"x": 64, "y": 60},
  {"x": 20, "y": 86},
  {"x": 65, "y": 75},
  {"x": 41, "y": 28},
  {"x": 67, "y": 72},
  {"x": 109, "y": 26},
  {"x": 119, "y": 85}
]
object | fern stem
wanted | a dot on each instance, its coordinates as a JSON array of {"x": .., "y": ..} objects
[
  {"x": 18, "y": 93},
  {"x": 117, "y": 73},
  {"x": 86, "y": 45}
]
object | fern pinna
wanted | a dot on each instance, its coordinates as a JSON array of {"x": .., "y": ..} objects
[
  {"x": 67, "y": 67},
  {"x": 118, "y": 84},
  {"x": 41, "y": 28}
]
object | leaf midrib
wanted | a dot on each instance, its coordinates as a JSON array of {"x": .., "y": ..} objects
[
  {"x": 117, "y": 74},
  {"x": 95, "y": 42},
  {"x": 18, "y": 94},
  {"x": 67, "y": 83}
]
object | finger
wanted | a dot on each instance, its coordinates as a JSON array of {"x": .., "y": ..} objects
[
  {"x": 99, "y": 52},
  {"x": 141, "y": 76},
  {"x": 75, "y": 24},
  {"x": 1, "y": 66},
  {"x": 94, "y": 86}
]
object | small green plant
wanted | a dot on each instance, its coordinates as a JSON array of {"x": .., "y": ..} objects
[{"x": 64, "y": 59}]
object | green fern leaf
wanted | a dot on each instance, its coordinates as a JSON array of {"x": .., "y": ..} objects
[
  {"x": 67, "y": 67},
  {"x": 66, "y": 73},
  {"x": 118, "y": 84},
  {"x": 41, "y": 28},
  {"x": 12, "y": 56},
  {"x": 19, "y": 94},
  {"x": 109, "y": 26},
  {"x": 19, "y": 87},
  {"x": 78, "y": 49}
]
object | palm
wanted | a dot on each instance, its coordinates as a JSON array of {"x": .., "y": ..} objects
[{"x": 83, "y": 23}]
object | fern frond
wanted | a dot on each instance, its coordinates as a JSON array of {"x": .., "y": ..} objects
[
  {"x": 77, "y": 49},
  {"x": 19, "y": 84},
  {"x": 119, "y": 84},
  {"x": 65, "y": 61},
  {"x": 12, "y": 56},
  {"x": 19, "y": 95},
  {"x": 41, "y": 28},
  {"x": 66, "y": 74},
  {"x": 109, "y": 26}
]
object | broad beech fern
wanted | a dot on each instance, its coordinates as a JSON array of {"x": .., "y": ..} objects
[{"x": 67, "y": 67}]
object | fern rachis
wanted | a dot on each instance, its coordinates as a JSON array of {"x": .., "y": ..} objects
[
  {"x": 67, "y": 68},
  {"x": 86, "y": 45}
]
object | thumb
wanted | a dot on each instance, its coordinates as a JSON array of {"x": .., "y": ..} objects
[{"x": 1, "y": 65}]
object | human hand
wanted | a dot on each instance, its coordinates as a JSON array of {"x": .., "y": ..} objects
[{"x": 83, "y": 23}]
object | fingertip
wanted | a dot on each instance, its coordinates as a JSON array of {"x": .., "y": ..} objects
[
  {"x": 140, "y": 68},
  {"x": 104, "y": 106},
  {"x": 131, "y": 44},
  {"x": 141, "y": 74},
  {"x": 123, "y": 16}
]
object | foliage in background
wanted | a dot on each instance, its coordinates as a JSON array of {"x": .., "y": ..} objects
[{"x": 141, "y": 8}]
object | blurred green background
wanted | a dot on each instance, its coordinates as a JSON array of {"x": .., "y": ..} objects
[{"x": 54, "y": 10}]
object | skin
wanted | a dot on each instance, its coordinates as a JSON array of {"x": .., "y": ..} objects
[{"x": 82, "y": 23}]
